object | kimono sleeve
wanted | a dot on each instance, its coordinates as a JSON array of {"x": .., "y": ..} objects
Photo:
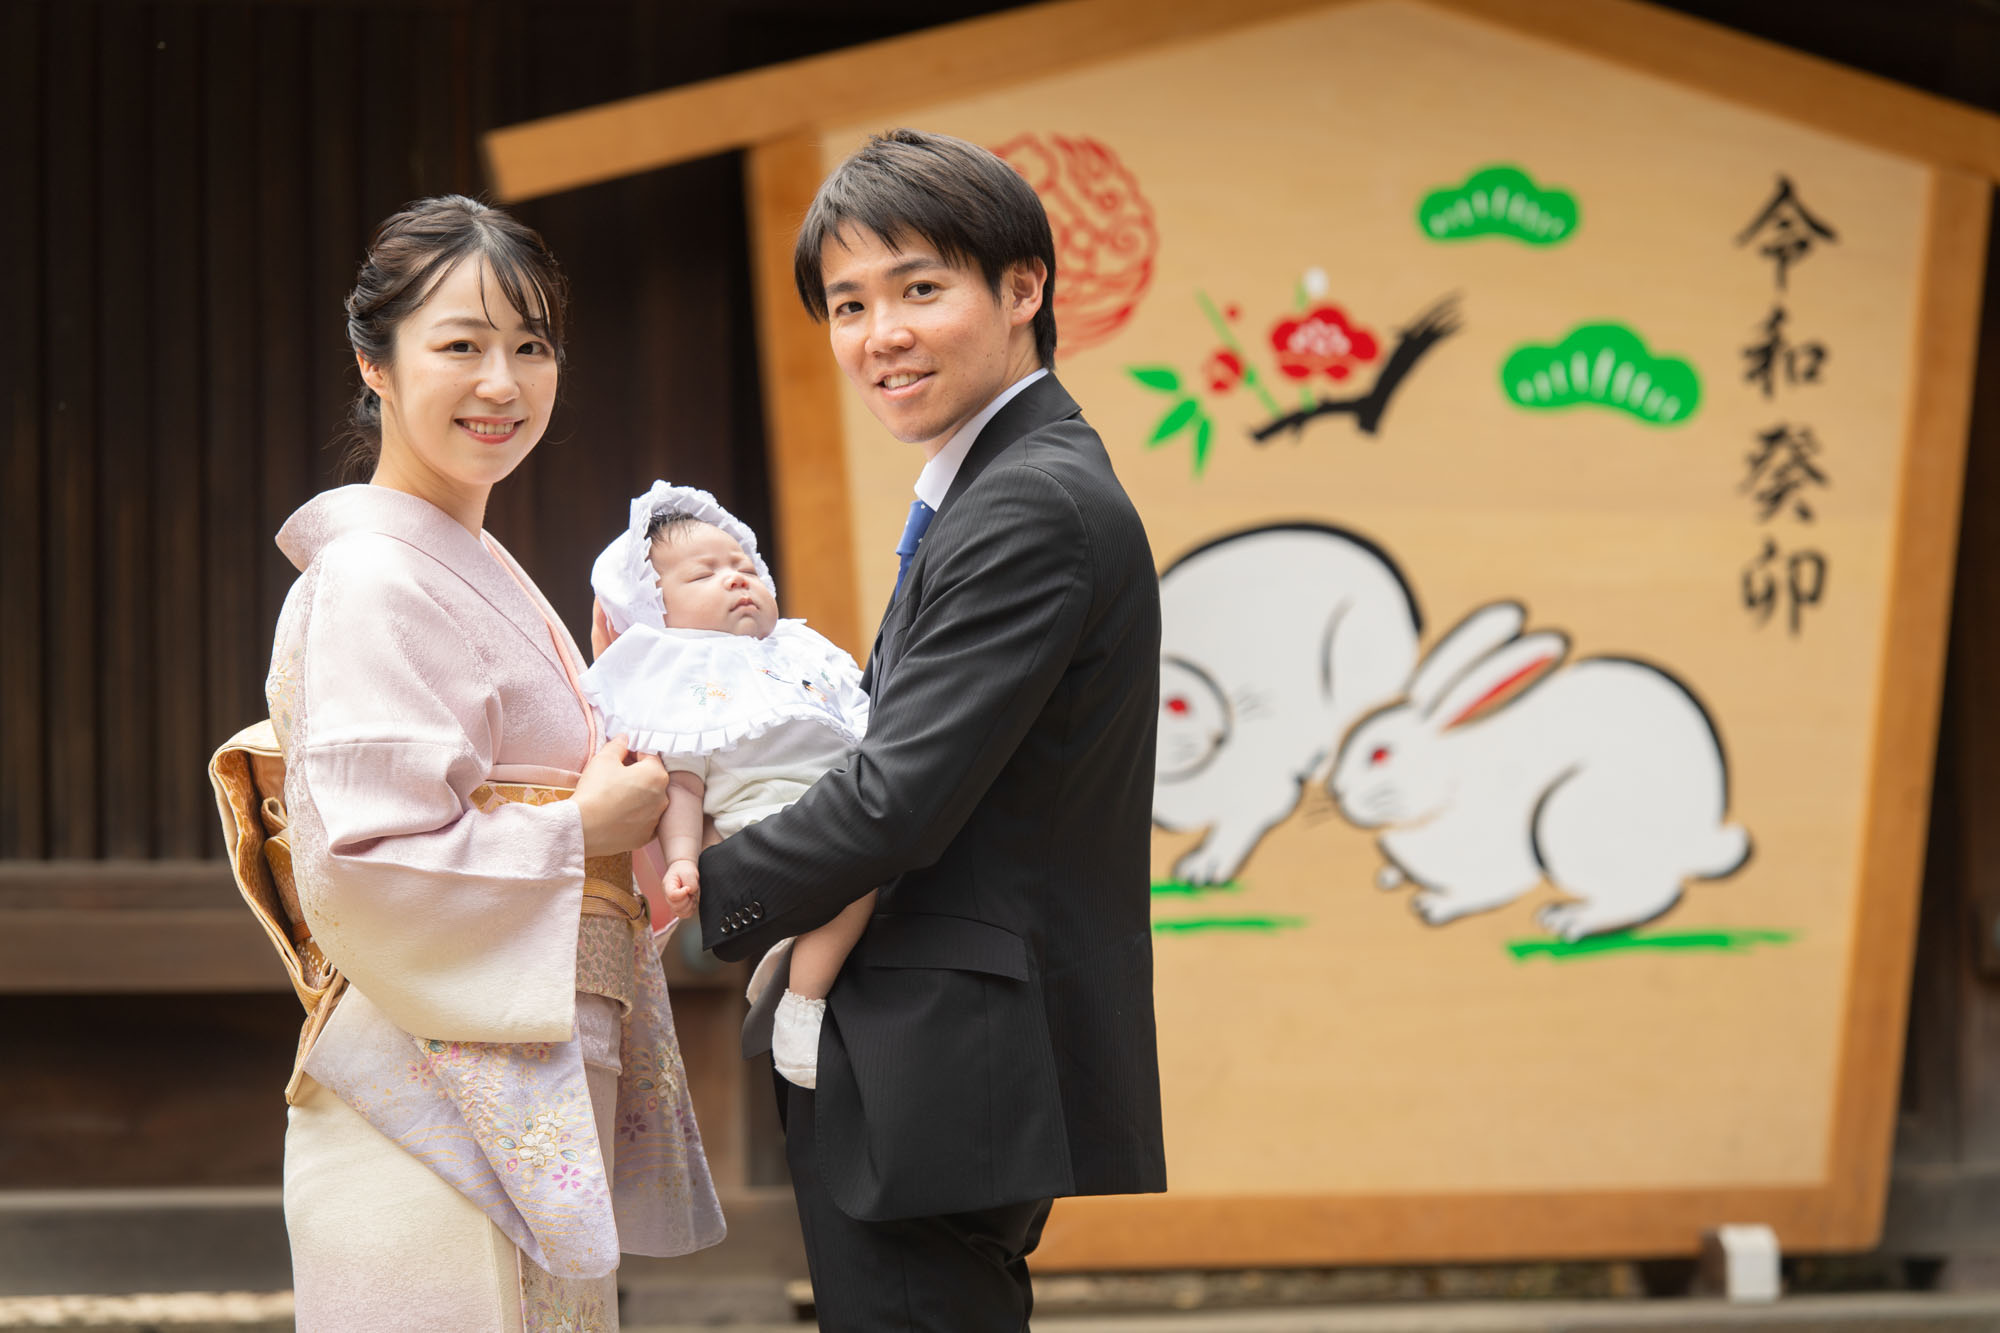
[{"x": 457, "y": 923}]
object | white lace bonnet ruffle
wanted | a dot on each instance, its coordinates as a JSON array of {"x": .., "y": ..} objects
[{"x": 623, "y": 576}]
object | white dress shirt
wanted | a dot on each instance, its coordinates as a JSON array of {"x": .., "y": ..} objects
[{"x": 935, "y": 480}]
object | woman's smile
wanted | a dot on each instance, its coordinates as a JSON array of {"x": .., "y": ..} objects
[{"x": 490, "y": 430}]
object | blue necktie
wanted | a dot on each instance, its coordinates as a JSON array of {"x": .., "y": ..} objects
[{"x": 913, "y": 537}]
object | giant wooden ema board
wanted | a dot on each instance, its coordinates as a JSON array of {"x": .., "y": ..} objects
[{"x": 1587, "y": 926}]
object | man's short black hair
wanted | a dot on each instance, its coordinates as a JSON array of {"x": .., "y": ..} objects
[{"x": 968, "y": 203}]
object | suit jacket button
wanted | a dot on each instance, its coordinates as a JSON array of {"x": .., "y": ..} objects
[{"x": 756, "y": 911}]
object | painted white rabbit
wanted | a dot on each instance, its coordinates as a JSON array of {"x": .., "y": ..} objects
[
  {"x": 1273, "y": 641},
  {"x": 1607, "y": 779}
]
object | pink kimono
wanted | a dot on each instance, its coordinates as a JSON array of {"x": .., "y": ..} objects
[{"x": 528, "y": 1063}]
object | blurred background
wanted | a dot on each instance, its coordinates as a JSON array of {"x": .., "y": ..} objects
[{"x": 189, "y": 188}]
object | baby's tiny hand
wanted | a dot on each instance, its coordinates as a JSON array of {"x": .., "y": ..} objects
[{"x": 683, "y": 886}]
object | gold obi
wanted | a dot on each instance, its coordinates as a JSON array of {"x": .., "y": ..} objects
[{"x": 248, "y": 774}]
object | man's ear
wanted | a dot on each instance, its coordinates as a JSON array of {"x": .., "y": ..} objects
[
  {"x": 1025, "y": 281},
  {"x": 372, "y": 375}
]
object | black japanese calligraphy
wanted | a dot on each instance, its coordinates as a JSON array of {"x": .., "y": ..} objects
[
  {"x": 1776, "y": 357},
  {"x": 1786, "y": 230},
  {"x": 1796, "y": 581},
  {"x": 1783, "y": 470}
]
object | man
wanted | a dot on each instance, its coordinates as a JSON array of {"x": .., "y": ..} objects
[{"x": 989, "y": 1044}]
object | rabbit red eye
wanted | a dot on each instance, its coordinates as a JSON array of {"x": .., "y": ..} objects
[
  {"x": 1177, "y": 706},
  {"x": 1379, "y": 755}
]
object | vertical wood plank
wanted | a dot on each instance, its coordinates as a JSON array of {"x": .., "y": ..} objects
[
  {"x": 126, "y": 443},
  {"x": 1913, "y": 640},
  {"x": 23, "y": 813},
  {"x": 429, "y": 136},
  {"x": 1926, "y": 1113},
  {"x": 337, "y": 229},
  {"x": 1971, "y": 896},
  {"x": 284, "y": 402},
  {"x": 809, "y": 488},
  {"x": 231, "y": 465},
  {"x": 70, "y": 644},
  {"x": 1972, "y": 720},
  {"x": 749, "y": 451},
  {"x": 184, "y": 812},
  {"x": 388, "y": 71}
]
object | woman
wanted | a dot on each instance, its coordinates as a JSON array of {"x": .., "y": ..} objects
[{"x": 497, "y": 1105}]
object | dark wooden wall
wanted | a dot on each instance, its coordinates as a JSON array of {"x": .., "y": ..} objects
[
  {"x": 190, "y": 186},
  {"x": 205, "y": 176}
]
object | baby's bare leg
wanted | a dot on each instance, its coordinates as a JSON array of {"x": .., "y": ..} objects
[
  {"x": 816, "y": 959},
  {"x": 817, "y": 956}
]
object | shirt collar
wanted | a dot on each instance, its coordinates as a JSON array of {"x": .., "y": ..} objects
[{"x": 934, "y": 482}]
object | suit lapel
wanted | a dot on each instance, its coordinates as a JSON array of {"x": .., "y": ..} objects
[{"x": 1040, "y": 404}]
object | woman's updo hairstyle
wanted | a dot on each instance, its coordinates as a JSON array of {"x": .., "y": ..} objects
[{"x": 409, "y": 256}]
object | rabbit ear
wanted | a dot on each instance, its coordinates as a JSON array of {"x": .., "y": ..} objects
[
  {"x": 1501, "y": 677},
  {"x": 1473, "y": 638}
]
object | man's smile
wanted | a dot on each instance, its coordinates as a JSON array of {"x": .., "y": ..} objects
[{"x": 902, "y": 380}]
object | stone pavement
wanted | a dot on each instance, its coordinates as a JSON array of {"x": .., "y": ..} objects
[{"x": 269, "y": 1312}]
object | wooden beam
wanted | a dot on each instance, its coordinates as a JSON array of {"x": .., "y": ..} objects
[
  {"x": 1912, "y": 684},
  {"x": 801, "y": 403},
  {"x": 110, "y": 927},
  {"x": 1759, "y": 74},
  {"x": 97, "y": 927},
  {"x": 1143, "y": 1231},
  {"x": 654, "y": 130}
]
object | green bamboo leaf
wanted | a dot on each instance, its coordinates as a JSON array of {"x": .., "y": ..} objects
[
  {"x": 1182, "y": 413},
  {"x": 1202, "y": 434},
  {"x": 1162, "y": 378}
]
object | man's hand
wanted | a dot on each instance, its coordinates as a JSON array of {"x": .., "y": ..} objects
[
  {"x": 621, "y": 797},
  {"x": 602, "y": 636},
  {"x": 683, "y": 886}
]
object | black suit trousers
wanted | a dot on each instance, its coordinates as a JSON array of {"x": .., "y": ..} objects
[{"x": 962, "y": 1273}]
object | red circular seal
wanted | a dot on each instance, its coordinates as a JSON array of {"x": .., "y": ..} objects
[{"x": 1105, "y": 238}]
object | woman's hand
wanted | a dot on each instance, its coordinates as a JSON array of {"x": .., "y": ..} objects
[
  {"x": 621, "y": 797},
  {"x": 601, "y": 634}
]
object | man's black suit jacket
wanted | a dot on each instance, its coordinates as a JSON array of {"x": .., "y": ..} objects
[{"x": 991, "y": 1038}]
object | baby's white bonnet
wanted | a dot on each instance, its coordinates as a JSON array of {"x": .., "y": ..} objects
[{"x": 623, "y": 576}]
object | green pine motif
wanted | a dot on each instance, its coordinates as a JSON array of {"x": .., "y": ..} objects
[
  {"x": 1499, "y": 200},
  {"x": 1602, "y": 365}
]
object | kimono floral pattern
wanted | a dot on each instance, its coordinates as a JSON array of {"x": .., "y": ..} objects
[
  {"x": 604, "y": 959},
  {"x": 558, "y": 1305},
  {"x": 511, "y": 1127}
]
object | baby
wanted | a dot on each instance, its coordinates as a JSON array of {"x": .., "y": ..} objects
[{"x": 745, "y": 710}]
